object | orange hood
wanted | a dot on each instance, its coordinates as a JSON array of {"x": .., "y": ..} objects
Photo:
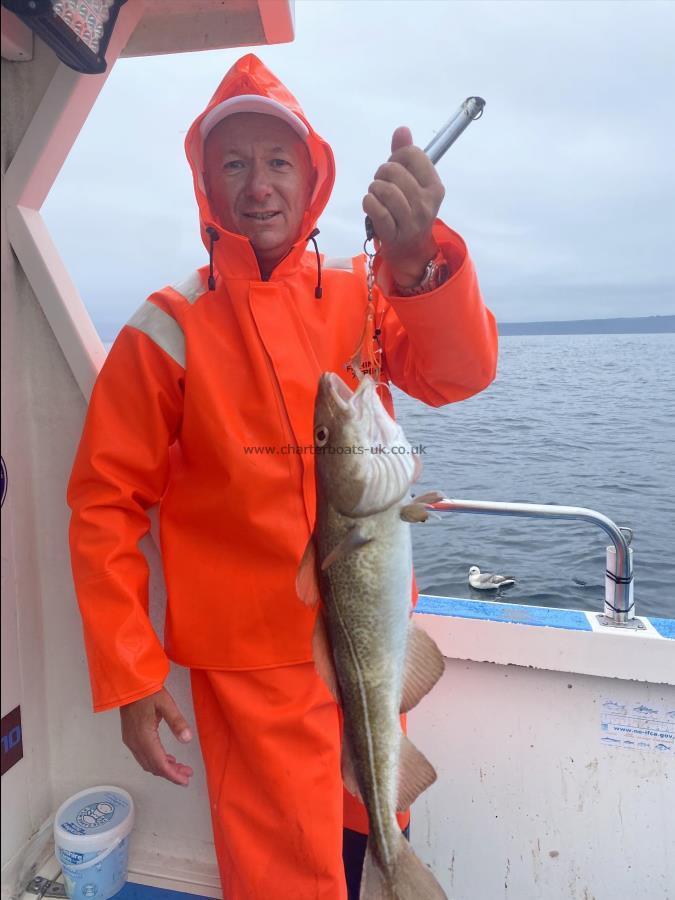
[{"x": 234, "y": 256}]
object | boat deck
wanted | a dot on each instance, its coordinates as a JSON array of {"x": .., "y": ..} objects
[
  {"x": 554, "y": 742},
  {"x": 132, "y": 890}
]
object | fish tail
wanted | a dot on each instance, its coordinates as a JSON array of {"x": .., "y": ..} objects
[{"x": 407, "y": 878}]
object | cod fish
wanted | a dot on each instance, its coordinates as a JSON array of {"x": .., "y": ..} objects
[{"x": 378, "y": 664}]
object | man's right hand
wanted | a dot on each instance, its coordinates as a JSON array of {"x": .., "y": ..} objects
[{"x": 140, "y": 732}]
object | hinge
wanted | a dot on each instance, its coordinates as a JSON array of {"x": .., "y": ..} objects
[{"x": 46, "y": 887}]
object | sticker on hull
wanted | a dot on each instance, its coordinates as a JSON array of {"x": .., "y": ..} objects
[{"x": 637, "y": 726}]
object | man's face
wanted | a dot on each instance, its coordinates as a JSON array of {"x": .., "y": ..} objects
[{"x": 258, "y": 179}]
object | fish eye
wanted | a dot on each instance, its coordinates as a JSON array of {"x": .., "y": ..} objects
[{"x": 321, "y": 436}]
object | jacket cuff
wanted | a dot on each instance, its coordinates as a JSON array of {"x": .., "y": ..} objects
[
  {"x": 131, "y": 698},
  {"x": 454, "y": 251}
]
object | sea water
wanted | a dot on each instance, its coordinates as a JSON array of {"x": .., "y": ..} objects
[{"x": 577, "y": 420}]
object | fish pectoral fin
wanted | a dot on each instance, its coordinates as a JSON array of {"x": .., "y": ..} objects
[
  {"x": 424, "y": 665},
  {"x": 415, "y": 774},
  {"x": 306, "y": 581},
  {"x": 414, "y": 512},
  {"x": 348, "y": 769},
  {"x": 323, "y": 656},
  {"x": 430, "y": 497},
  {"x": 417, "y": 511},
  {"x": 350, "y": 542},
  {"x": 406, "y": 878}
]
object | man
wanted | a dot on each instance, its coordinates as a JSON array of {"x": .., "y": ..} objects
[{"x": 204, "y": 374}]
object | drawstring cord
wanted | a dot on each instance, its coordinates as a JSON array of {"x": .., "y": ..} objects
[
  {"x": 318, "y": 293},
  {"x": 214, "y": 236}
]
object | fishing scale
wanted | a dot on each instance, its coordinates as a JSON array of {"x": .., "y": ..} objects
[{"x": 369, "y": 350}]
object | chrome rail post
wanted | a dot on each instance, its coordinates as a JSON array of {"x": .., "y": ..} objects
[{"x": 619, "y": 602}]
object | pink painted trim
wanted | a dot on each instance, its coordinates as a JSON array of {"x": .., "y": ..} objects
[{"x": 278, "y": 20}]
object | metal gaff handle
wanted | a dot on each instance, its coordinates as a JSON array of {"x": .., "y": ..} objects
[{"x": 468, "y": 112}]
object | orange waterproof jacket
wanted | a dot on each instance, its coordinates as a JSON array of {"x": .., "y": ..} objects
[{"x": 200, "y": 405}]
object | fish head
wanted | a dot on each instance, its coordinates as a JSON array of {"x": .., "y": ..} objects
[{"x": 363, "y": 459}]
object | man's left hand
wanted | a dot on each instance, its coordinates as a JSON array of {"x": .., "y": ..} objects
[{"x": 403, "y": 202}]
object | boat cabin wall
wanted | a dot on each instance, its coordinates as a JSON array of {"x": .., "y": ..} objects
[
  {"x": 65, "y": 746},
  {"x": 28, "y": 349}
]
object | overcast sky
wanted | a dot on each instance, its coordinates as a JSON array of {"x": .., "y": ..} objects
[{"x": 564, "y": 190}]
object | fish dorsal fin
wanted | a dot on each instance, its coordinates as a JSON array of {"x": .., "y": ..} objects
[
  {"x": 424, "y": 665},
  {"x": 407, "y": 877},
  {"x": 306, "y": 581},
  {"x": 323, "y": 659},
  {"x": 323, "y": 656},
  {"x": 415, "y": 774},
  {"x": 348, "y": 769}
]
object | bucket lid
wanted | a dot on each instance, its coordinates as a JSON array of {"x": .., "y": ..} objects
[{"x": 92, "y": 819}]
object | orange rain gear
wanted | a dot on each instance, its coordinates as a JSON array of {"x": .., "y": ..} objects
[
  {"x": 204, "y": 404},
  {"x": 271, "y": 745}
]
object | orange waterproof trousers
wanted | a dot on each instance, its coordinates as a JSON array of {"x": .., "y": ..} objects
[{"x": 271, "y": 745}]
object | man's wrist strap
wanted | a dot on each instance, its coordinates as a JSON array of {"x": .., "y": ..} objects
[{"x": 435, "y": 274}]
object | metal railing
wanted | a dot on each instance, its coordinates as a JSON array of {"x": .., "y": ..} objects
[{"x": 619, "y": 603}]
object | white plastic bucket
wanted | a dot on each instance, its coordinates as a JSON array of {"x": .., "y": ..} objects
[{"x": 91, "y": 834}]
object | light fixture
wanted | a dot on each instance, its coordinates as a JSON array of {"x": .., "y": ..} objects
[{"x": 78, "y": 31}]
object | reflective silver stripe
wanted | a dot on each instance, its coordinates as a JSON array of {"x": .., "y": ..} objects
[
  {"x": 341, "y": 263},
  {"x": 191, "y": 287},
  {"x": 162, "y": 329}
]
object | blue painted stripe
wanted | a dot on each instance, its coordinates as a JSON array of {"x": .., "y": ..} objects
[
  {"x": 503, "y": 612},
  {"x": 132, "y": 891},
  {"x": 665, "y": 627}
]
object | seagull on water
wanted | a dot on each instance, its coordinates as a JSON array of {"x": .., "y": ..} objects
[{"x": 488, "y": 582}]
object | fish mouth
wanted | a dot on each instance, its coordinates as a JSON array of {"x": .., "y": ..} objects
[
  {"x": 336, "y": 391},
  {"x": 386, "y": 464},
  {"x": 363, "y": 406},
  {"x": 344, "y": 397}
]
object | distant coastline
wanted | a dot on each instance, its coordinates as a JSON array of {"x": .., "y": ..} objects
[{"x": 637, "y": 325}]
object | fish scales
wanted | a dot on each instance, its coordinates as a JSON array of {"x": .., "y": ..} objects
[
  {"x": 367, "y": 603},
  {"x": 361, "y": 552}
]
